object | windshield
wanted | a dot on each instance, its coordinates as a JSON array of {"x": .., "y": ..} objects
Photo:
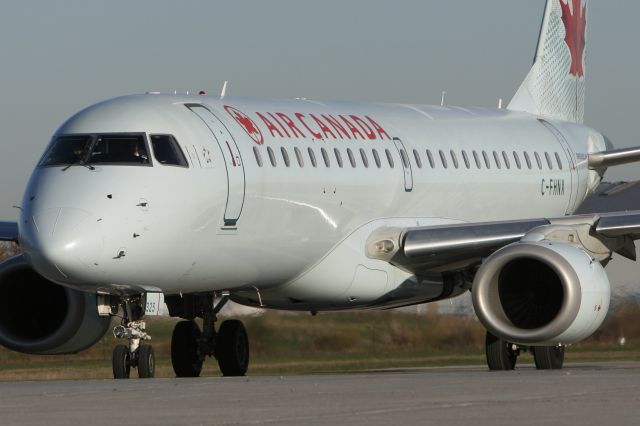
[
  {"x": 127, "y": 149},
  {"x": 67, "y": 150}
]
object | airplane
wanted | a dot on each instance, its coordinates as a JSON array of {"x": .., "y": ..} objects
[{"x": 168, "y": 203}]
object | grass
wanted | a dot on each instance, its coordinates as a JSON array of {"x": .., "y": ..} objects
[{"x": 338, "y": 342}]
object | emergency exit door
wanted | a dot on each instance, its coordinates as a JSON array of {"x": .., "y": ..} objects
[{"x": 232, "y": 160}]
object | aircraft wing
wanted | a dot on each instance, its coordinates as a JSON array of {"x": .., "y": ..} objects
[
  {"x": 9, "y": 231},
  {"x": 456, "y": 247}
]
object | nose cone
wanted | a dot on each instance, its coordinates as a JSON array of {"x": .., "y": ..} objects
[{"x": 63, "y": 244}]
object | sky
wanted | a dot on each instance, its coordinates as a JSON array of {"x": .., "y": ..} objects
[{"x": 59, "y": 57}]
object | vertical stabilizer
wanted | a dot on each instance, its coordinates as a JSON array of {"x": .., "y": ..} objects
[{"x": 555, "y": 86}]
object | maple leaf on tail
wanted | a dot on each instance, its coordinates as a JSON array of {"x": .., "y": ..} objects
[{"x": 575, "y": 25}]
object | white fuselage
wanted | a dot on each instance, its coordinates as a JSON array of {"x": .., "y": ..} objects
[{"x": 292, "y": 235}]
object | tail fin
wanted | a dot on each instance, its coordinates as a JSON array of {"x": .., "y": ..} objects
[{"x": 555, "y": 86}]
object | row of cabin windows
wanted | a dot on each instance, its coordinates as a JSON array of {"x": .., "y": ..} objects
[
  {"x": 325, "y": 157},
  {"x": 480, "y": 160}
]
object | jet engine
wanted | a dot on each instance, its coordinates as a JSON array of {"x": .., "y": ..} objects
[
  {"x": 541, "y": 293},
  {"x": 38, "y": 316}
]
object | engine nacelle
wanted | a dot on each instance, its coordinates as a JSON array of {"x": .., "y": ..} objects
[
  {"x": 38, "y": 316},
  {"x": 541, "y": 293}
]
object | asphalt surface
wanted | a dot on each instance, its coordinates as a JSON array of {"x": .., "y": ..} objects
[{"x": 585, "y": 394}]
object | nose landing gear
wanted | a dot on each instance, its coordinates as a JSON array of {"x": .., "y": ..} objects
[
  {"x": 190, "y": 346},
  {"x": 134, "y": 354}
]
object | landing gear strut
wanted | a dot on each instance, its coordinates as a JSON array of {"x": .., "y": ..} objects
[
  {"x": 134, "y": 354},
  {"x": 190, "y": 346}
]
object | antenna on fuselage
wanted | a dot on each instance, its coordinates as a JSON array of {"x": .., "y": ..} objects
[
  {"x": 223, "y": 92},
  {"x": 442, "y": 99},
  {"x": 500, "y": 103}
]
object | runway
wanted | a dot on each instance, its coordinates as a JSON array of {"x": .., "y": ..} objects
[{"x": 584, "y": 394}]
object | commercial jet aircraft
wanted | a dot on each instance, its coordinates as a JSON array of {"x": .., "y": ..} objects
[{"x": 153, "y": 202}]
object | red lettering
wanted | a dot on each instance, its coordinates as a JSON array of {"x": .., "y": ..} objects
[
  {"x": 323, "y": 127},
  {"x": 378, "y": 128},
  {"x": 339, "y": 128},
  {"x": 364, "y": 126},
  {"x": 291, "y": 124},
  {"x": 354, "y": 130},
  {"x": 273, "y": 129},
  {"x": 284, "y": 129},
  {"x": 300, "y": 118}
]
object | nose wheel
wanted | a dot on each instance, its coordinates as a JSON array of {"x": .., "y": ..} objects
[{"x": 135, "y": 354}]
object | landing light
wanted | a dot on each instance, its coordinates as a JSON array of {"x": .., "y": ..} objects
[{"x": 384, "y": 246}]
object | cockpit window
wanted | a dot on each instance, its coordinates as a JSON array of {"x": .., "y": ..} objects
[
  {"x": 167, "y": 151},
  {"x": 67, "y": 150},
  {"x": 115, "y": 149},
  {"x": 119, "y": 149}
]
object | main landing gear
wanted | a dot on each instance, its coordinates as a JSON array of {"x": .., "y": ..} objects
[
  {"x": 190, "y": 346},
  {"x": 503, "y": 355},
  {"x": 135, "y": 354}
]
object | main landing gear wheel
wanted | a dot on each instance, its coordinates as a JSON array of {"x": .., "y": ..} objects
[
  {"x": 146, "y": 362},
  {"x": 232, "y": 348},
  {"x": 185, "y": 355},
  {"x": 548, "y": 357},
  {"x": 501, "y": 354},
  {"x": 121, "y": 362}
]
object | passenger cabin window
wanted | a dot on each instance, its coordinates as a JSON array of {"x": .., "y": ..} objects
[
  {"x": 272, "y": 156},
  {"x": 549, "y": 162},
  {"x": 165, "y": 150},
  {"x": 416, "y": 156},
  {"x": 389, "y": 157},
  {"x": 352, "y": 159},
  {"x": 443, "y": 159},
  {"x": 299, "y": 156},
  {"x": 376, "y": 158},
  {"x": 405, "y": 158},
  {"x": 312, "y": 157},
  {"x": 517, "y": 160},
  {"x": 496, "y": 158},
  {"x": 256, "y": 152},
  {"x": 465, "y": 157},
  {"x": 558, "y": 161},
  {"x": 505, "y": 157},
  {"x": 527, "y": 159},
  {"x": 487, "y": 162},
  {"x": 476, "y": 157},
  {"x": 432, "y": 162},
  {"x": 285, "y": 156},
  {"x": 454, "y": 159},
  {"x": 338, "y": 157},
  {"x": 535, "y": 154},
  {"x": 325, "y": 157},
  {"x": 365, "y": 159}
]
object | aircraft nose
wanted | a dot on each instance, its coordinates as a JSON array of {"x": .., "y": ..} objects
[{"x": 64, "y": 243}]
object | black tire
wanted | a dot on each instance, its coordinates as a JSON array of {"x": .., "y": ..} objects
[
  {"x": 185, "y": 356},
  {"x": 500, "y": 354},
  {"x": 548, "y": 357},
  {"x": 121, "y": 362},
  {"x": 146, "y": 362},
  {"x": 232, "y": 348}
]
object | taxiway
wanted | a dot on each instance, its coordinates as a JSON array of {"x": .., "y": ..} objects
[{"x": 584, "y": 394}]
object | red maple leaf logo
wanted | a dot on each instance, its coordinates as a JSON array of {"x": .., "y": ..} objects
[
  {"x": 575, "y": 25},
  {"x": 247, "y": 124}
]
